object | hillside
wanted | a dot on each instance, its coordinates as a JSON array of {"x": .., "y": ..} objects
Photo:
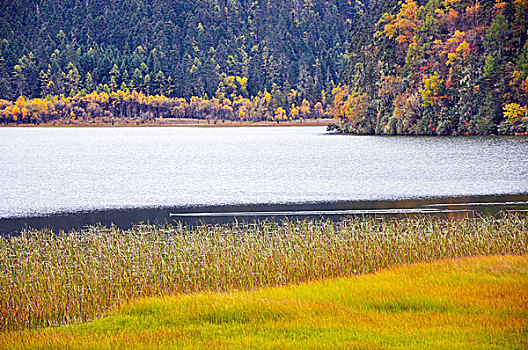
[
  {"x": 437, "y": 68},
  {"x": 414, "y": 67},
  {"x": 177, "y": 48}
]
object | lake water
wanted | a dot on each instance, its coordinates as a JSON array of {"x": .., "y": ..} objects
[{"x": 45, "y": 171}]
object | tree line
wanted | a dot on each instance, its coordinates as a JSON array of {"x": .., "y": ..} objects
[{"x": 133, "y": 107}]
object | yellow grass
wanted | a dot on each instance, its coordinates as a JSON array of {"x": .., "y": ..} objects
[
  {"x": 49, "y": 279},
  {"x": 469, "y": 303}
]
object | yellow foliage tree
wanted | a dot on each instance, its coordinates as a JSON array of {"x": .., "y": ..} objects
[
  {"x": 318, "y": 110},
  {"x": 355, "y": 107},
  {"x": 294, "y": 112},
  {"x": 280, "y": 114},
  {"x": 340, "y": 95},
  {"x": 20, "y": 102},
  {"x": 15, "y": 112},
  {"x": 461, "y": 53},
  {"x": 402, "y": 27},
  {"x": 267, "y": 98},
  {"x": 515, "y": 113},
  {"x": 305, "y": 109},
  {"x": 430, "y": 89}
]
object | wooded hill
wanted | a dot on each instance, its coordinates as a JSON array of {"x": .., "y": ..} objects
[
  {"x": 437, "y": 67},
  {"x": 178, "y": 48},
  {"x": 426, "y": 67}
]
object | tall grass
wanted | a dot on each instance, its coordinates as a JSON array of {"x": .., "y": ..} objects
[{"x": 51, "y": 278}]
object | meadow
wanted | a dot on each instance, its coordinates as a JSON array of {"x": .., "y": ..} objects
[
  {"x": 467, "y": 303},
  {"x": 54, "y": 279}
]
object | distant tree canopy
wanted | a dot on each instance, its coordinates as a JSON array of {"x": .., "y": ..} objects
[
  {"x": 427, "y": 67},
  {"x": 178, "y": 48},
  {"x": 436, "y": 67}
]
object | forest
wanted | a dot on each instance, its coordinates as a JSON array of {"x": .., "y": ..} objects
[
  {"x": 377, "y": 67},
  {"x": 87, "y": 59},
  {"x": 437, "y": 68}
]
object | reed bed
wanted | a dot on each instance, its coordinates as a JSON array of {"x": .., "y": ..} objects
[{"x": 50, "y": 279}]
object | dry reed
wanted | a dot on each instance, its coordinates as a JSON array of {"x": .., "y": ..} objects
[{"x": 49, "y": 279}]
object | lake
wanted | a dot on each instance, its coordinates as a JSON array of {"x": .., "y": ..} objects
[{"x": 59, "y": 171}]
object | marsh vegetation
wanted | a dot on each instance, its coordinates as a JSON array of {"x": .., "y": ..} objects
[
  {"x": 470, "y": 303},
  {"x": 49, "y": 279}
]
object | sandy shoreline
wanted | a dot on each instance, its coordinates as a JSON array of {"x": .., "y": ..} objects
[{"x": 186, "y": 122}]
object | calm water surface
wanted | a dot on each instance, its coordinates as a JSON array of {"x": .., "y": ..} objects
[{"x": 52, "y": 170}]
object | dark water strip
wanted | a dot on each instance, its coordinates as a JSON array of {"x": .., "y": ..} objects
[
  {"x": 308, "y": 213},
  {"x": 126, "y": 218}
]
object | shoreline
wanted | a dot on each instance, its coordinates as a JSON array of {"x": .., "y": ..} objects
[
  {"x": 185, "y": 122},
  {"x": 125, "y": 218},
  {"x": 192, "y": 122}
]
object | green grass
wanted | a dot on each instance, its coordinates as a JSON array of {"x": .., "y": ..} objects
[
  {"x": 469, "y": 303},
  {"x": 51, "y": 279}
]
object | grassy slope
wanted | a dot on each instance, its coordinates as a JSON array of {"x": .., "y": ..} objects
[{"x": 466, "y": 303}]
